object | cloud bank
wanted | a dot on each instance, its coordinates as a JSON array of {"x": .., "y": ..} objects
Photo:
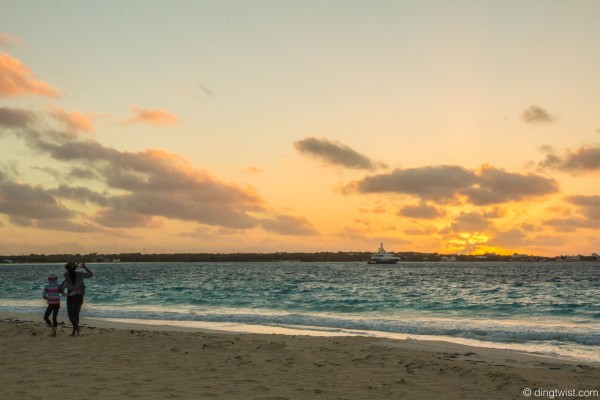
[
  {"x": 484, "y": 186},
  {"x": 139, "y": 188}
]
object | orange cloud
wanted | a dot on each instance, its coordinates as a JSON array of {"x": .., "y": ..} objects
[
  {"x": 18, "y": 80},
  {"x": 115, "y": 218},
  {"x": 73, "y": 121},
  {"x": 151, "y": 116},
  {"x": 141, "y": 189}
]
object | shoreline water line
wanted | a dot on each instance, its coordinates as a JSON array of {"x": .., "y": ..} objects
[
  {"x": 549, "y": 348},
  {"x": 546, "y": 349}
]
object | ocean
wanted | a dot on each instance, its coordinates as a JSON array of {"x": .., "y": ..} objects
[{"x": 548, "y": 308}]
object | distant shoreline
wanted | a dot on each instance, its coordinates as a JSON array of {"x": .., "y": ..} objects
[{"x": 280, "y": 257}]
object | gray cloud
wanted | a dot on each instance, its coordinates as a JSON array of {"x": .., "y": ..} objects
[
  {"x": 434, "y": 182},
  {"x": 581, "y": 160},
  {"x": 336, "y": 153},
  {"x": 497, "y": 186},
  {"x": 20, "y": 220},
  {"x": 421, "y": 211},
  {"x": 67, "y": 225},
  {"x": 28, "y": 201},
  {"x": 82, "y": 173},
  {"x": 486, "y": 186},
  {"x": 188, "y": 206},
  {"x": 206, "y": 90},
  {"x": 80, "y": 194},
  {"x": 590, "y": 206},
  {"x": 536, "y": 115},
  {"x": 16, "y": 118},
  {"x": 570, "y": 224},
  {"x": 66, "y": 147}
]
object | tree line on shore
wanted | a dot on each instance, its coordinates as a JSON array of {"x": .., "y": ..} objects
[{"x": 339, "y": 256}]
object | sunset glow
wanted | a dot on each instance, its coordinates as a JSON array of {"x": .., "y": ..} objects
[{"x": 201, "y": 126}]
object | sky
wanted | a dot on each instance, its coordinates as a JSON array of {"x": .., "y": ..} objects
[{"x": 264, "y": 126}]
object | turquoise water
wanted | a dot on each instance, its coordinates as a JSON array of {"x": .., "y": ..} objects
[{"x": 549, "y": 308}]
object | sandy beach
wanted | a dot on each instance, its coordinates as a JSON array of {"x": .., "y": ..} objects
[{"x": 123, "y": 361}]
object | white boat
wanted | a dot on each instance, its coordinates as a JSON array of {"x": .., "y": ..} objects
[{"x": 383, "y": 257}]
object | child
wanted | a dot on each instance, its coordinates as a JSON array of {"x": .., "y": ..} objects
[{"x": 52, "y": 294}]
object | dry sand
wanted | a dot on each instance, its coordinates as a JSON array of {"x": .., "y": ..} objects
[{"x": 131, "y": 362}]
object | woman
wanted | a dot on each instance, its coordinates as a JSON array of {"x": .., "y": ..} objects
[{"x": 75, "y": 292}]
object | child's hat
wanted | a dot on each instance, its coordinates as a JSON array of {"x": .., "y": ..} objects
[{"x": 52, "y": 277}]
